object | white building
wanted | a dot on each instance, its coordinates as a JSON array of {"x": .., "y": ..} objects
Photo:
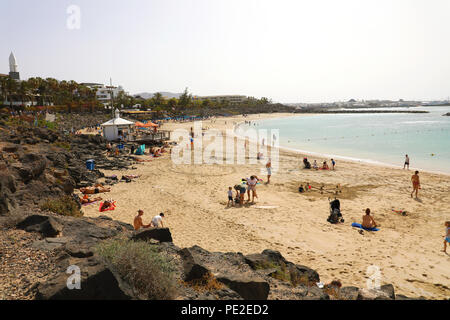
[
  {"x": 104, "y": 93},
  {"x": 114, "y": 128},
  {"x": 232, "y": 99}
]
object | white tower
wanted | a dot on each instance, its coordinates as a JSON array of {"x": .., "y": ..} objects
[
  {"x": 13, "y": 70},
  {"x": 12, "y": 63}
]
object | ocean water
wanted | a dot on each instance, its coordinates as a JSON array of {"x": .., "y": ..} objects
[{"x": 376, "y": 138}]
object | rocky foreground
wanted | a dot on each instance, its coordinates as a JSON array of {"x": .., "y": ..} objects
[{"x": 38, "y": 246}]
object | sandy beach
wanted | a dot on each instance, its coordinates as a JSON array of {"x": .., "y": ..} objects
[{"x": 407, "y": 249}]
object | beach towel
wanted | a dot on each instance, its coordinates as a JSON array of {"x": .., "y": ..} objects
[
  {"x": 86, "y": 204},
  {"x": 112, "y": 207},
  {"x": 358, "y": 225}
]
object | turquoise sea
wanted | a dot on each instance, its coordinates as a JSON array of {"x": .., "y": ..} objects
[{"x": 370, "y": 137}]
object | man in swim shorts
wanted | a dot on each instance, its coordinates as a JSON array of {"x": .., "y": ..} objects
[
  {"x": 416, "y": 183},
  {"x": 406, "y": 162}
]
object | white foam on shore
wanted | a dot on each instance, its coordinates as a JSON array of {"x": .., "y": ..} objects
[{"x": 337, "y": 157}]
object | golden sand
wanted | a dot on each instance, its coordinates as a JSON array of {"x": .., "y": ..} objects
[{"x": 407, "y": 249}]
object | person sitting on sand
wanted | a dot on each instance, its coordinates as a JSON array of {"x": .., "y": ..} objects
[
  {"x": 325, "y": 166},
  {"x": 447, "y": 236},
  {"x": 108, "y": 149},
  {"x": 157, "y": 220},
  {"x": 416, "y": 183},
  {"x": 315, "y": 166},
  {"x": 137, "y": 223},
  {"x": 368, "y": 221}
]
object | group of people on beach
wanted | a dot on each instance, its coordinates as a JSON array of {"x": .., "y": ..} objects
[
  {"x": 156, "y": 222},
  {"x": 240, "y": 190},
  {"x": 325, "y": 166}
]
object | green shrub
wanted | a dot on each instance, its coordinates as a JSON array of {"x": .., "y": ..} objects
[
  {"x": 65, "y": 206},
  {"x": 141, "y": 266}
]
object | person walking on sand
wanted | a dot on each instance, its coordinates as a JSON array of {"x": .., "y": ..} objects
[
  {"x": 269, "y": 170},
  {"x": 447, "y": 236},
  {"x": 406, "y": 162},
  {"x": 416, "y": 183},
  {"x": 230, "y": 197},
  {"x": 137, "y": 223}
]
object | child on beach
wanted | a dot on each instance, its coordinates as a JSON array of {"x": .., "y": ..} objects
[
  {"x": 269, "y": 170},
  {"x": 333, "y": 163},
  {"x": 447, "y": 236},
  {"x": 416, "y": 183},
  {"x": 230, "y": 197}
]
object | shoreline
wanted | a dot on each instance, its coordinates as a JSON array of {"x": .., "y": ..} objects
[{"x": 339, "y": 157}]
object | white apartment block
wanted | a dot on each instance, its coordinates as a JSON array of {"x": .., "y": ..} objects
[
  {"x": 233, "y": 99},
  {"x": 103, "y": 93}
]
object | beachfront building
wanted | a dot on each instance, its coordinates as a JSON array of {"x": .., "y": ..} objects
[
  {"x": 105, "y": 93},
  {"x": 116, "y": 128},
  {"x": 231, "y": 99}
]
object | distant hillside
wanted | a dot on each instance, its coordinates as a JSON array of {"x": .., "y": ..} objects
[{"x": 147, "y": 95}]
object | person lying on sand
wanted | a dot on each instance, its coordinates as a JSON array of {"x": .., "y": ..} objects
[
  {"x": 107, "y": 205},
  {"x": 368, "y": 221},
  {"x": 85, "y": 199},
  {"x": 94, "y": 190},
  {"x": 137, "y": 223}
]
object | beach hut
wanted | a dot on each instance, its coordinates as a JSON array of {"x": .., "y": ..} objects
[{"x": 114, "y": 128}]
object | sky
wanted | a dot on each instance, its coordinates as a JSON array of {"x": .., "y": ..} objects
[{"x": 289, "y": 51}]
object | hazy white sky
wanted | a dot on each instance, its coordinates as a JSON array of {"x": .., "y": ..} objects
[{"x": 290, "y": 51}]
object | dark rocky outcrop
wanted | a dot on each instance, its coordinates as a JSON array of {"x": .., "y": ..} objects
[
  {"x": 193, "y": 269},
  {"x": 160, "y": 234},
  {"x": 97, "y": 282},
  {"x": 247, "y": 288},
  {"x": 45, "y": 225}
]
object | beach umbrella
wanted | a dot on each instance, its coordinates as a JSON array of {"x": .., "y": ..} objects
[{"x": 145, "y": 125}]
